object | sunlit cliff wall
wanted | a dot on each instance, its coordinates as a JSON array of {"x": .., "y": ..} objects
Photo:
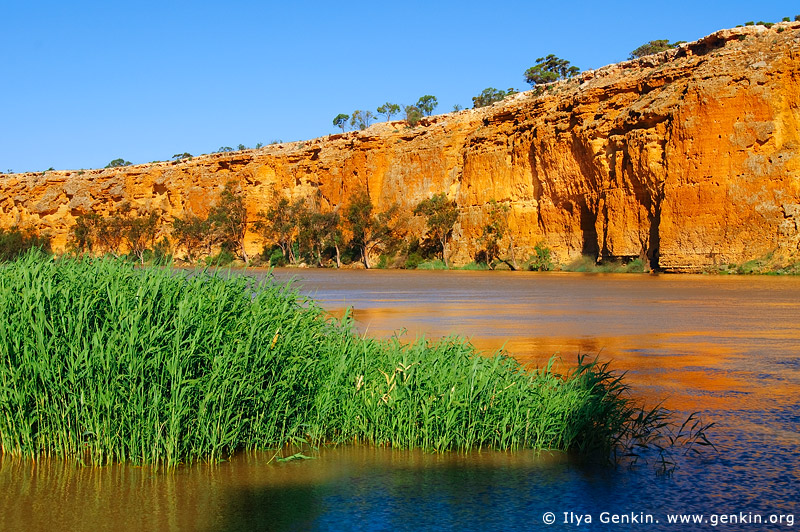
[{"x": 688, "y": 158}]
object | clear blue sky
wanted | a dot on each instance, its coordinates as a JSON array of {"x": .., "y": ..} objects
[{"x": 83, "y": 83}]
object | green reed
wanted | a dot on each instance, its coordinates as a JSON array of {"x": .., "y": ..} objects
[{"x": 101, "y": 361}]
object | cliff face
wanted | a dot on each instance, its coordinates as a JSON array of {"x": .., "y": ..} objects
[{"x": 689, "y": 158}]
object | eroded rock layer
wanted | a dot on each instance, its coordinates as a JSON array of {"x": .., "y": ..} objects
[{"x": 687, "y": 158}]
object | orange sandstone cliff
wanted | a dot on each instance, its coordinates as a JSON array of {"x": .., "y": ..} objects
[{"x": 689, "y": 158}]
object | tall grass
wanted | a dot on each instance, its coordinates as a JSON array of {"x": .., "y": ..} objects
[{"x": 101, "y": 361}]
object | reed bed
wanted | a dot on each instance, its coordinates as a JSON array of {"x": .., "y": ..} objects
[{"x": 101, "y": 361}]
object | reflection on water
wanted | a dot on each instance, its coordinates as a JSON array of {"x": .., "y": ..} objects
[
  {"x": 726, "y": 346},
  {"x": 693, "y": 340}
]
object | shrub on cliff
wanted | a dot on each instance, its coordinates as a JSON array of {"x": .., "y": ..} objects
[
  {"x": 413, "y": 115},
  {"x": 652, "y": 47},
  {"x": 489, "y": 96},
  {"x": 116, "y": 163},
  {"x": 549, "y": 69}
]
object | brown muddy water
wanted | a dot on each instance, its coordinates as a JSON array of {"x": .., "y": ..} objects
[{"x": 728, "y": 347}]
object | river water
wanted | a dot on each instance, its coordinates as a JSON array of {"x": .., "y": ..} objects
[{"x": 728, "y": 347}]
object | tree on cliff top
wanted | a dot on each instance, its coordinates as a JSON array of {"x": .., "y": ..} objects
[
  {"x": 341, "y": 121},
  {"x": 427, "y": 104},
  {"x": 549, "y": 69},
  {"x": 653, "y": 47},
  {"x": 116, "y": 163},
  {"x": 361, "y": 119},
  {"x": 389, "y": 110}
]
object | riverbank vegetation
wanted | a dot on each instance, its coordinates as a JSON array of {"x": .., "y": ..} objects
[
  {"x": 104, "y": 362},
  {"x": 768, "y": 264},
  {"x": 301, "y": 233},
  {"x": 295, "y": 232},
  {"x": 587, "y": 264}
]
